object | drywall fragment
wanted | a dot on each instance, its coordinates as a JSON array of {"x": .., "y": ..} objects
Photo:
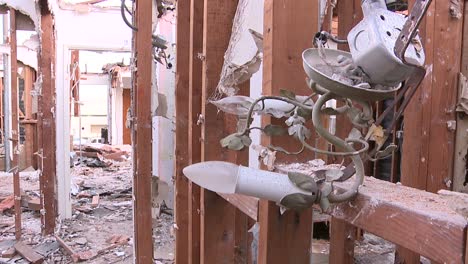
[
  {"x": 455, "y": 9},
  {"x": 462, "y": 105}
]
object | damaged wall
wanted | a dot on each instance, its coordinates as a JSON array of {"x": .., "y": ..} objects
[{"x": 103, "y": 30}]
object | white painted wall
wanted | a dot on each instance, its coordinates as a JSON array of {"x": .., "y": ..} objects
[{"x": 164, "y": 126}]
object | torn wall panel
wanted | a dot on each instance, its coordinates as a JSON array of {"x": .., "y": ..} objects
[{"x": 244, "y": 55}]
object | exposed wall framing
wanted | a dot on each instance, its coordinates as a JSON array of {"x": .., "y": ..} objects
[
  {"x": 286, "y": 238},
  {"x": 46, "y": 119},
  {"x": 15, "y": 122},
  {"x": 142, "y": 132}
]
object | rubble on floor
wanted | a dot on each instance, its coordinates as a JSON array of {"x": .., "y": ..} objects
[{"x": 101, "y": 227}]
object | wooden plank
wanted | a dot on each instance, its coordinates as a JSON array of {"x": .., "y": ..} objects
[
  {"x": 246, "y": 204},
  {"x": 447, "y": 47},
  {"x": 28, "y": 127},
  {"x": 182, "y": 132},
  {"x": 419, "y": 221},
  {"x": 218, "y": 225},
  {"x": 428, "y": 142},
  {"x": 195, "y": 104},
  {"x": 342, "y": 237},
  {"x": 142, "y": 131},
  {"x": 15, "y": 122},
  {"x": 466, "y": 250},
  {"x": 46, "y": 139},
  {"x": 406, "y": 256},
  {"x": 349, "y": 14},
  {"x": 28, "y": 253},
  {"x": 282, "y": 69},
  {"x": 75, "y": 83},
  {"x": 460, "y": 176}
]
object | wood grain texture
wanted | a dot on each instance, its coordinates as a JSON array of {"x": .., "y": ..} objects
[
  {"x": 142, "y": 131},
  {"x": 349, "y": 14},
  {"x": 182, "y": 132},
  {"x": 46, "y": 119},
  {"x": 29, "y": 128},
  {"x": 428, "y": 147},
  {"x": 342, "y": 237},
  {"x": 406, "y": 256},
  {"x": 218, "y": 217},
  {"x": 246, "y": 204},
  {"x": 28, "y": 253},
  {"x": 419, "y": 221},
  {"x": 194, "y": 137},
  {"x": 289, "y": 27},
  {"x": 15, "y": 122},
  {"x": 461, "y": 141}
]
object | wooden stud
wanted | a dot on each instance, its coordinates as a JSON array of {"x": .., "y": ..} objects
[
  {"x": 461, "y": 142},
  {"x": 15, "y": 123},
  {"x": 142, "y": 132},
  {"x": 194, "y": 140},
  {"x": 182, "y": 132},
  {"x": 28, "y": 127},
  {"x": 218, "y": 217},
  {"x": 285, "y": 238},
  {"x": 466, "y": 250},
  {"x": 406, "y": 256},
  {"x": 75, "y": 83},
  {"x": 342, "y": 239},
  {"x": 428, "y": 140},
  {"x": 46, "y": 119}
]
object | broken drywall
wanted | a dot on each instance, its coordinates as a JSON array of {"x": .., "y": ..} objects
[
  {"x": 27, "y": 7},
  {"x": 244, "y": 54}
]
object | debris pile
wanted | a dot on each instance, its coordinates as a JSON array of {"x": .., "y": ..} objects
[
  {"x": 100, "y": 155},
  {"x": 101, "y": 227}
]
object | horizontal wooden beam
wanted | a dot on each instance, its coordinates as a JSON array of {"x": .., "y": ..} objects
[
  {"x": 247, "y": 204},
  {"x": 417, "y": 220}
]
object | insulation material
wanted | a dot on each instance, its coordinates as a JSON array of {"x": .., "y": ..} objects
[{"x": 244, "y": 55}]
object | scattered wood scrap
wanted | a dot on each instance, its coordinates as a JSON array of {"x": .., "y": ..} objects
[
  {"x": 7, "y": 203},
  {"x": 28, "y": 253},
  {"x": 9, "y": 253},
  {"x": 67, "y": 249},
  {"x": 95, "y": 201}
]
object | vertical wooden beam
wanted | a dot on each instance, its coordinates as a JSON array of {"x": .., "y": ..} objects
[
  {"x": 217, "y": 233},
  {"x": 142, "y": 132},
  {"x": 431, "y": 142},
  {"x": 406, "y": 256},
  {"x": 75, "y": 83},
  {"x": 182, "y": 131},
  {"x": 15, "y": 122},
  {"x": 342, "y": 239},
  {"x": 28, "y": 126},
  {"x": 46, "y": 120},
  {"x": 349, "y": 14},
  {"x": 447, "y": 50},
  {"x": 194, "y": 140},
  {"x": 289, "y": 27},
  {"x": 460, "y": 176}
]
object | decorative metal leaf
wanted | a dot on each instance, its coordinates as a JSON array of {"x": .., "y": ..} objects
[
  {"x": 303, "y": 182},
  {"x": 287, "y": 94},
  {"x": 355, "y": 134},
  {"x": 386, "y": 152},
  {"x": 298, "y": 201},
  {"x": 274, "y": 130},
  {"x": 355, "y": 116},
  {"x": 235, "y": 142},
  {"x": 333, "y": 174},
  {"x": 246, "y": 140}
]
